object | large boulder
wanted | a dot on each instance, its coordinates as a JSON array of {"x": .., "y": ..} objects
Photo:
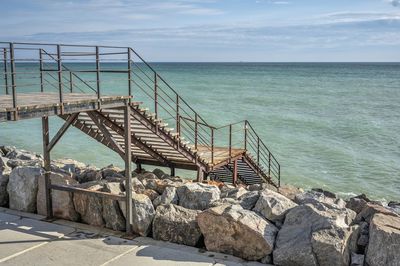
[
  {"x": 160, "y": 174},
  {"x": 320, "y": 200},
  {"x": 232, "y": 192},
  {"x": 231, "y": 229},
  {"x": 197, "y": 196},
  {"x": 384, "y": 241},
  {"x": 89, "y": 174},
  {"x": 22, "y": 188},
  {"x": 89, "y": 207},
  {"x": 112, "y": 214},
  {"x": 169, "y": 196},
  {"x": 4, "y": 176},
  {"x": 62, "y": 202},
  {"x": 176, "y": 224},
  {"x": 309, "y": 235},
  {"x": 152, "y": 194},
  {"x": 249, "y": 200},
  {"x": 290, "y": 192},
  {"x": 111, "y": 171},
  {"x": 370, "y": 210},
  {"x": 357, "y": 203},
  {"x": 23, "y": 158},
  {"x": 142, "y": 213},
  {"x": 68, "y": 165},
  {"x": 157, "y": 184},
  {"x": 273, "y": 206}
]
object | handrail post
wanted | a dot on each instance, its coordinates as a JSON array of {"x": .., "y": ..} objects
[
  {"x": 245, "y": 135},
  {"x": 13, "y": 79},
  {"x": 212, "y": 146},
  {"x": 71, "y": 83},
  {"x": 269, "y": 164},
  {"x": 230, "y": 142},
  {"x": 195, "y": 131},
  {"x": 178, "y": 124},
  {"x": 60, "y": 84},
  {"x": 41, "y": 70},
  {"x": 279, "y": 175},
  {"x": 129, "y": 74},
  {"x": 258, "y": 150},
  {"x": 98, "y": 75},
  {"x": 5, "y": 69},
  {"x": 155, "y": 95}
]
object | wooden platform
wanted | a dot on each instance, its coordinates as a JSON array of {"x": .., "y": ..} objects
[{"x": 32, "y": 105}]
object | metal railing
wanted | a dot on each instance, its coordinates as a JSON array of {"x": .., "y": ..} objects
[{"x": 63, "y": 69}]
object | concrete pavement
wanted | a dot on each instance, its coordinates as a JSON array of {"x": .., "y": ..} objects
[{"x": 25, "y": 239}]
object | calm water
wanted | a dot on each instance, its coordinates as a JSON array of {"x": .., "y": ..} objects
[{"x": 334, "y": 126}]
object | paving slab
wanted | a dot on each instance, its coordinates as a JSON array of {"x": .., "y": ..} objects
[
  {"x": 22, "y": 235},
  {"x": 6, "y": 218}
]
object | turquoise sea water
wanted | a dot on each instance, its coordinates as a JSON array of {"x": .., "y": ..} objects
[{"x": 330, "y": 125}]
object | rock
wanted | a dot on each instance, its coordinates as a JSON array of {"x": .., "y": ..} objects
[
  {"x": 6, "y": 149},
  {"x": 290, "y": 192},
  {"x": 23, "y": 158},
  {"x": 234, "y": 193},
  {"x": 90, "y": 208},
  {"x": 142, "y": 213},
  {"x": 249, "y": 200},
  {"x": 224, "y": 201},
  {"x": 197, "y": 196},
  {"x": 357, "y": 259},
  {"x": 156, "y": 184},
  {"x": 160, "y": 174},
  {"x": 146, "y": 176},
  {"x": 89, "y": 174},
  {"x": 4, "y": 168},
  {"x": 394, "y": 206},
  {"x": 326, "y": 193},
  {"x": 333, "y": 246},
  {"x": 68, "y": 165},
  {"x": 176, "y": 224},
  {"x": 169, "y": 196},
  {"x": 273, "y": 206},
  {"x": 233, "y": 230},
  {"x": 112, "y": 214},
  {"x": 137, "y": 186},
  {"x": 254, "y": 187},
  {"x": 266, "y": 260},
  {"x": 62, "y": 201},
  {"x": 384, "y": 241},
  {"x": 22, "y": 188},
  {"x": 3, "y": 189},
  {"x": 305, "y": 228},
  {"x": 357, "y": 203},
  {"x": 369, "y": 211},
  {"x": 319, "y": 200},
  {"x": 111, "y": 171},
  {"x": 152, "y": 194}
]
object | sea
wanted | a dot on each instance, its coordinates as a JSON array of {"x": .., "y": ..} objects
[{"x": 334, "y": 126}]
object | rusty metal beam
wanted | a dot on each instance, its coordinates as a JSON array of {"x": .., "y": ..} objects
[
  {"x": 46, "y": 155},
  {"x": 106, "y": 133},
  {"x": 62, "y": 130}
]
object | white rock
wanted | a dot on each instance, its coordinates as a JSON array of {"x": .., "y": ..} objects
[{"x": 273, "y": 206}]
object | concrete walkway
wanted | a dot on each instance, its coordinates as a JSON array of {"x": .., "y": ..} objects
[{"x": 27, "y": 240}]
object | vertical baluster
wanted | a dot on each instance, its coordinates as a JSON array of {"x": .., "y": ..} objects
[
  {"x": 13, "y": 81},
  {"x": 155, "y": 96},
  {"x": 41, "y": 70},
  {"x": 245, "y": 135},
  {"x": 258, "y": 151},
  {"x": 230, "y": 142},
  {"x": 279, "y": 175},
  {"x": 195, "y": 131},
  {"x": 212, "y": 146},
  {"x": 178, "y": 124},
  {"x": 71, "y": 83},
  {"x": 60, "y": 84},
  {"x": 129, "y": 74},
  {"x": 5, "y": 70},
  {"x": 269, "y": 164},
  {"x": 98, "y": 75}
]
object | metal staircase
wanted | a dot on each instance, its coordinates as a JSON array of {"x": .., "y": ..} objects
[{"x": 165, "y": 130}]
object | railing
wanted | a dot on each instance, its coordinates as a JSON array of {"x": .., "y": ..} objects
[{"x": 63, "y": 69}]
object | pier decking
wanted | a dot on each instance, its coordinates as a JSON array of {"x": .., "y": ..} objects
[{"x": 118, "y": 99}]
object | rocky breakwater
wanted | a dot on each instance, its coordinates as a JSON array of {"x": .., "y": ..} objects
[{"x": 257, "y": 223}]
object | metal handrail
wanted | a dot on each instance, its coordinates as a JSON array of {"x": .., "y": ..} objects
[{"x": 141, "y": 75}]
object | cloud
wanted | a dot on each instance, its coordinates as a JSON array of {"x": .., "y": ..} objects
[{"x": 394, "y": 3}]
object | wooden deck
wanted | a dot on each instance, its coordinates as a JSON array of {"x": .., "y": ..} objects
[{"x": 32, "y": 105}]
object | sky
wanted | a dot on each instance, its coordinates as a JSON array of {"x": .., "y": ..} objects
[{"x": 215, "y": 30}]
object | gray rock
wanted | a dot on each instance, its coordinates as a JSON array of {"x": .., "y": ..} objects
[
  {"x": 357, "y": 203},
  {"x": 255, "y": 187},
  {"x": 234, "y": 193},
  {"x": 233, "y": 230},
  {"x": 22, "y": 188},
  {"x": 394, "y": 206},
  {"x": 3, "y": 189},
  {"x": 176, "y": 224},
  {"x": 23, "y": 158},
  {"x": 370, "y": 210},
  {"x": 90, "y": 208},
  {"x": 384, "y": 241},
  {"x": 290, "y": 192},
  {"x": 169, "y": 196},
  {"x": 224, "y": 201},
  {"x": 160, "y": 174},
  {"x": 142, "y": 213},
  {"x": 89, "y": 174},
  {"x": 68, "y": 165},
  {"x": 197, "y": 196},
  {"x": 249, "y": 200},
  {"x": 62, "y": 201},
  {"x": 146, "y": 176},
  {"x": 152, "y": 194},
  {"x": 111, "y": 171},
  {"x": 357, "y": 259},
  {"x": 319, "y": 200},
  {"x": 305, "y": 228},
  {"x": 266, "y": 260},
  {"x": 112, "y": 214},
  {"x": 156, "y": 184},
  {"x": 326, "y": 193},
  {"x": 273, "y": 206}
]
